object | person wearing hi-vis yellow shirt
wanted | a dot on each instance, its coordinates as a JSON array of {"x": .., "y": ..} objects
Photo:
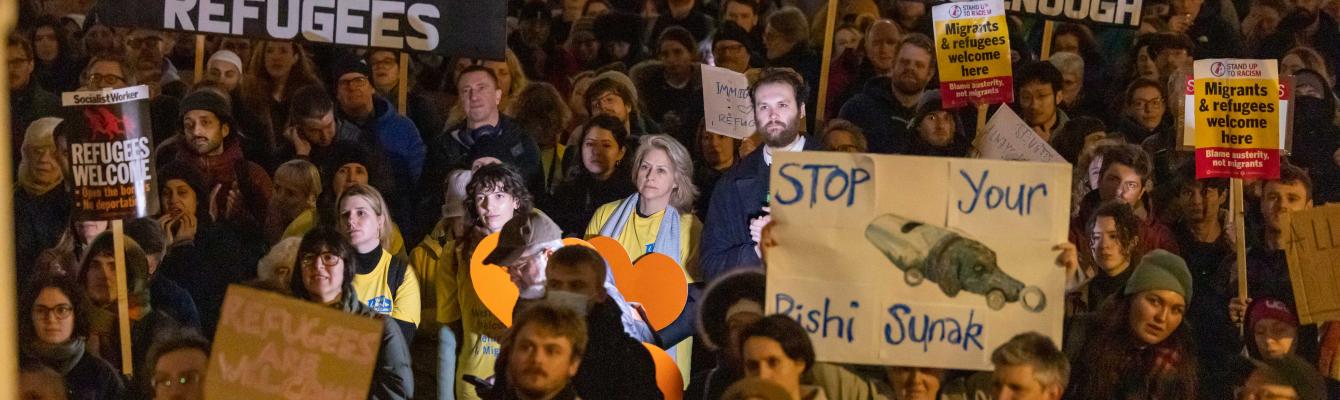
[{"x": 385, "y": 282}]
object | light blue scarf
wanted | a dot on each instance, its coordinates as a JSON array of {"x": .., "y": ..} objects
[{"x": 667, "y": 236}]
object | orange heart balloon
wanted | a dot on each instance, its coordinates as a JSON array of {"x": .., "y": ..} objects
[
  {"x": 492, "y": 283},
  {"x": 668, "y": 378},
  {"x": 656, "y": 281}
]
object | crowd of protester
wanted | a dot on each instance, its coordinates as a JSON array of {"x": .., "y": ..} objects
[{"x": 296, "y": 168}]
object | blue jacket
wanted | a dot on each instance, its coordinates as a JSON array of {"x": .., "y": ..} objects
[
  {"x": 737, "y": 198},
  {"x": 400, "y": 140}
]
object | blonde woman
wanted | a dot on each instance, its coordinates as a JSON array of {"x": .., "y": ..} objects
[
  {"x": 297, "y": 184},
  {"x": 384, "y": 282},
  {"x": 658, "y": 219}
]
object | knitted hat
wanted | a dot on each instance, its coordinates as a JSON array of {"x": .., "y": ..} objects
[
  {"x": 929, "y": 103},
  {"x": 1160, "y": 270},
  {"x": 1268, "y": 308},
  {"x": 345, "y": 63},
  {"x": 680, "y": 35},
  {"x": 209, "y": 101},
  {"x": 520, "y": 235},
  {"x": 227, "y": 56}
]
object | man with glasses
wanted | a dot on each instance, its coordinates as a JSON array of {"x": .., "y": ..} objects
[
  {"x": 145, "y": 49},
  {"x": 1038, "y": 98},
  {"x": 1145, "y": 111},
  {"x": 381, "y": 125},
  {"x": 107, "y": 73},
  {"x": 178, "y": 361},
  {"x": 27, "y": 101}
]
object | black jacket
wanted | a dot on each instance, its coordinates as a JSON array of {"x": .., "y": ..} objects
[
  {"x": 94, "y": 379},
  {"x": 39, "y": 222},
  {"x": 883, "y": 120},
  {"x": 508, "y": 142},
  {"x": 391, "y": 377},
  {"x": 576, "y": 199},
  {"x": 207, "y": 265}
]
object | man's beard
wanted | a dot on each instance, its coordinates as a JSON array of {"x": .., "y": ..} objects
[
  {"x": 783, "y": 138},
  {"x": 908, "y": 85}
]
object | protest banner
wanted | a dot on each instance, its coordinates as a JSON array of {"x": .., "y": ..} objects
[
  {"x": 916, "y": 261},
  {"x": 109, "y": 141},
  {"x": 1188, "y": 131},
  {"x": 1115, "y": 13},
  {"x": 1312, "y": 244},
  {"x": 271, "y": 346},
  {"x": 973, "y": 53},
  {"x": 110, "y": 149},
  {"x": 727, "y": 108},
  {"x": 1009, "y": 138},
  {"x": 1237, "y": 119},
  {"x": 467, "y": 28}
]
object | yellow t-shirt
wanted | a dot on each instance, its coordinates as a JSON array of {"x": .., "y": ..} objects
[
  {"x": 638, "y": 239},
  {"x": 640, "y": 235},
  {"x": 457, "y": 300},
  {"x": 373, "y": 290}
]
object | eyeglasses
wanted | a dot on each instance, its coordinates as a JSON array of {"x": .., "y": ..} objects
[
  {"x": 106, "y": 79},
  {"x": 188, "y": 378},
  {"x": 327, "y": 258},
  {"x": 1156, "y": 103},
  {"x": 353, "y": 83},
  {"x": 62, "y": 311},
  {"x": 15, "y": 62}
]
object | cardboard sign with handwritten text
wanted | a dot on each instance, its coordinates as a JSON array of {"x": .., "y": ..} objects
[
  {"x": 727, "y": 109},
  {"x": 916, "y": 261},
  {"x": 1009, "y": 138},
  {"x": 270, "y": 346},
  {"x": 1312, "y": 244}
]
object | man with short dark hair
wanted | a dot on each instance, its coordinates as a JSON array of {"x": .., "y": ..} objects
[
  {"x": 746, "y": 14},
  {"x": 1171, "y": 51},
  {"x": 1029, "y": 367},
  {"x": 1038, "y": 98},
  {"x": 1267, "y": 266},
  {"x": 1126, "y": 176},
  {"x": 544, "y": 350},
  {"x": 615, "y": 366},
  {"x": 687, "y": 14},
  {"x": 240, "y": 188},
  {"x": 739, "y": 202},
  {"x": 777, "y": 349},
  {"x": 178, "y": 360},
  {"x": 884, "y": 109},
  {"x": 485, "y": 133},
  {"x": 673, "y": 88}
]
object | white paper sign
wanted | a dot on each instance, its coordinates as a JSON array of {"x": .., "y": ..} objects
[
  {"x": 727, "y": 108},
  {"x": 1009, "y": 138},
  {"x": 916, "y": 261}
]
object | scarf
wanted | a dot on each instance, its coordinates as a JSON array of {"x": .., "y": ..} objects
[
  {"x": 63, "y": 357},
  {"x": 667, "y": 236}
]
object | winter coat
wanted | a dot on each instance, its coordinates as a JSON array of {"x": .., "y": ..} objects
[
  {"x": 39, "y": 221},
  {"x": 883, "y": 120},
  {"x": 391, "y": 377},
  {"x": 739, "y": 196}
]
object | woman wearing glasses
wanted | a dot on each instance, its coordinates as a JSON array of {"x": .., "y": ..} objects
[
  {"x": 55, "y": 331},
  {"x": 326, "y": 263}
]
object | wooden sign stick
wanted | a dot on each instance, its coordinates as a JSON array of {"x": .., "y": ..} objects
[
  {"x": 199, "y": 58},
  {"x": 1047, "y": 27},
  {"x": 827, "y": 66},
  {"x": 9, "y": 369},
  {"x": 1237, "y": 212},
  {"x": 981, "y": 128},
  {"x": 402, "y": 85},
  {"x": 122, "y": 297}
]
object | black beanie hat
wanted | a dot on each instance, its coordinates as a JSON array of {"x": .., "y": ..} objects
[
  {"x": 205, "y": 99},
  {"x": 345, "y": 63},
  {"x": 730, "y": 30}
]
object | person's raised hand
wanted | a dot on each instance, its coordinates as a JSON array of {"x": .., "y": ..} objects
[
  {"x": 301, "y": 147},
  {"x": 1237, "y": 309},
  {"x": 756, "y": 228}
]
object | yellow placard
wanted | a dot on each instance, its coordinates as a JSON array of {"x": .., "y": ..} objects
[
  {"x": 1237, "y": 116},
  {"x": 972, "y": 50}
]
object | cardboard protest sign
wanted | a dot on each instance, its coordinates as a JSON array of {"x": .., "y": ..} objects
[
  {"x": 1116, "y": 13},
  {"x": 1009, "y": 138},
  {"x": 110, "y": 147},
  {"x": 270, "y": 346},
  {"x": 1188, "y": 131},
  {"x": 468, "y": 28},
  {"x": 1312, "y": 244},
  {"x": 973, "y": 53},
  {"x": 1237, "y": 119},
  {"x": 726, "y": 104},
  {"x": 918, "y": 261}
]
